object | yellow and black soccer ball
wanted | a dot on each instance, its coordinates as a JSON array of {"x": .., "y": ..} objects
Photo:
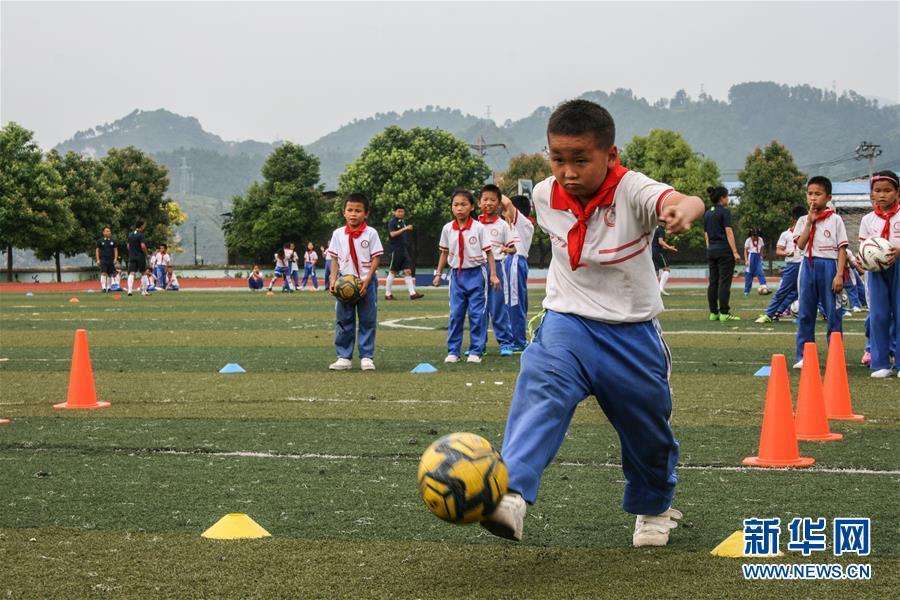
[
  {"x": 347, "y": 288},
  {"x": 462, "y": 478}
]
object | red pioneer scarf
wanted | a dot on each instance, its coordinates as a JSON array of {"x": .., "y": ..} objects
[
  {"x": 488, "y": 219},
  {"x": 461, "y": 241},
  {"x": 887, "y": 215},
  {"x": 560, "y": 199},
  {"x": 812, "y": 230},
  {"x": 352, "y": 234}
]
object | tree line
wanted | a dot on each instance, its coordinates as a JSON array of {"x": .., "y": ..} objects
[{"x": 57, "y": 205}]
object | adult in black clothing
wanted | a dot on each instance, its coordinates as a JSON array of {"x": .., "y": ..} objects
[
  {"x": 721, "y": 255},
  {"x": 137, "y": 254},
  {"x": 107, "y": 257},
  {"x": 398, "y": 241}
]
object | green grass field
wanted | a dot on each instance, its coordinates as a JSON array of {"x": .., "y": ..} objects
[{"x": 112, "y": 503}]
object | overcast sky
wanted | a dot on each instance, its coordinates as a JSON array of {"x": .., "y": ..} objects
[{"x": 300, "y": 70}]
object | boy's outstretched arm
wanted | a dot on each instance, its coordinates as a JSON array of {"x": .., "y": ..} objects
[{"x": 679, "y": 210}]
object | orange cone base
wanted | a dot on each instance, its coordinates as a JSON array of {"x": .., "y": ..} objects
[
  {"x": 64, "y": 405},
  {"x": 850, "y": 417},
  {"x": 799, "y": 463},
  {"x": 826, "y": 437}
]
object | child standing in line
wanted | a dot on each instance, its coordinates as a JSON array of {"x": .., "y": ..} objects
[
  {"x": 517, "y": 212},
  {"x": 310, "y": 258},
  {"x": 463, "y": 245},
  {"x": 357, "y": 249},
  {"x": 822, "y": 237},
  {"x": 282, "y": 269},
  {"x": 255, "y": 281},
  {"x": 293, "y": 259},
  {"x": 324, "y": 251},
  {"x": 884, "y": 286},
  {"x": 171, "y": 280},
  {"x": 162, "y": 262},
  {"x": 787, "y": 289},
  {"x": 754, "y": 252},
  {"x": 502, "y": 241}
]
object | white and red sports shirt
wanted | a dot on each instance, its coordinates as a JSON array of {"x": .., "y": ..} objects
[
  {"x": 754, "y": 247},
  {"x": 523, "y": 232},
  {"x": 786, "y": 241},
  {"x": 871, "y": 225},
  {"x": 617, "y": 282},
  {"x": 310, "y": 257},
  {"x": 830, "y": 236},
  {"x": 367, "y": 246},
  {"x": 476, "y": 244},
  {"x": 498, "y": 234}
]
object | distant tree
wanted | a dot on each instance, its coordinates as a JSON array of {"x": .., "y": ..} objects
[
  {"x": 89, "y": 203},
  {"x": 665, "y": 156},
  {"x": 773, "y": 185},
  {"x": 287, "y": 206},
  {"x": 32, "y": 203},
  {"x": 418, "y": 168},
  {"x": 136, "y": 185},
  {"x": 535, "y": 167}
]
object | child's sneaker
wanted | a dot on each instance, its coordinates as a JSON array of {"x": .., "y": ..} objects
[
  {"x": 798, "y": 364},
  {"x": 451, "y": 358},
  {"x": 506, "y": 351},
  {"x": 507, "y": 519},
  {"x": 389, "y": 297},
  {"x": 416, "y": 296},
  {"x": 367, "y": 364},
  {"x": 341, "y": 364},
  {"x": 764, "y": 319},
  {"x": 653, "y": 530},
  {"x": 473, "y": 358},
  {"x": 866, "y": 358},
  {"x": 728, "y": 317},
  {"x": 881, "y": 373}
]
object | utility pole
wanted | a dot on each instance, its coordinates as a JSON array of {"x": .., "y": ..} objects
[
  {"x": 195, "y": 244},
  {"x": 869, "y": 151}
]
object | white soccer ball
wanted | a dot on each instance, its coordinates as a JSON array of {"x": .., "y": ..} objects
[{"x": 873, "y": 254}]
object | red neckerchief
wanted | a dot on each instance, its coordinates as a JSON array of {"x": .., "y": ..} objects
[
  {"x": 352, "y": 234},
  {"x": 488, "y": 219},
  {"x": 560, "y": 199},
  {"x": 812, "y": 231},
  {"x": 887, "y": 215},
  {"x": 460, "y": 241}
]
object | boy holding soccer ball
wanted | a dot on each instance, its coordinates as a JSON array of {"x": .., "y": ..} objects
[
  {"x": 884, "y": 286},
  {"x": 355, "y": 250},
  {"x": 599, "y": 335}
]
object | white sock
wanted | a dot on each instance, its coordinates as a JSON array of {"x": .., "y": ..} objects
[
  {"x": 663, "y": 278},
  {"x": 410, "y": 285},
  {"x": 130, "y": 282},
  {"x": 103, "y": 281},
  {"x": 389, "y": 284}
]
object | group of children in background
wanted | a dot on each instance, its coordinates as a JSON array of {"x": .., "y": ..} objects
[
  {"x": 158, "y": 276},
  {"x": 287, "y": 268}
]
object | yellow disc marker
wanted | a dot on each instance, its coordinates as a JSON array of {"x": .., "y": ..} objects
[
  {"x": 235, "y": 526},
  {"x": 733, "y": 547}
]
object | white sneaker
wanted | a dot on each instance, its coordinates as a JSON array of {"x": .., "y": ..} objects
[
  {"x": 341, "y": 364},
  {"x": 474, "y": 358},
  {"x": 451, "y": 358},
  {"x": 367, "y": 364},
  {"x": 857, "y": 309},
  {"x": 881, "y": 373},
  {"x": 653, "y": 530},
  {"x": 798, "y": 364},
  {"x": 507, "y": 520}
]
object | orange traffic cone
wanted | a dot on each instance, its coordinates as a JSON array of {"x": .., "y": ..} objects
[
  {"x": 777, "y": 440},
  {"x": 837, "y": 389},
  {"x": 74, "y": 300},
  {"x": 812, "y": 426},
  {"x": 82, "y": 393}
]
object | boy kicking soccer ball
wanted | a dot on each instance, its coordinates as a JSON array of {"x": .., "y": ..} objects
[{"x": 599, "y": 335}]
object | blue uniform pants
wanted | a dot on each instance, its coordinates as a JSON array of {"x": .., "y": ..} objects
[
  {"x": 309, "y": 270},
  {"x": 498, "y": 311},
  {"x": 787, "y": 290},
  {"x": 884, "y": 315},
  {"x": 814, "y": 286},
  {"x": 754, "y": 269},
  {"x": 468, "y": 295},
  {"x": 327, "y": 272},
  {"x": 626, "y": 367},
  {"x": 160, "y": 273},
  {"x": 345, "y": 335},
  {"x": 515, "y": 293}
]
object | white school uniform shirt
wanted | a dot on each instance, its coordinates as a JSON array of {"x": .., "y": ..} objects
[
  {"x": 154, "y": 260},
  {"x": 871, "y": 226},
  {"x": 147, "y": 281},
  {"x": 310, "y": 257},
  {"x": 523, "y": 231},
  {"x": 368, "y": 246},
  {"x": 499, "y": 235},
  {"x": 164, "y": 260},
  {"x": 792, "y": 252},
  {"x": 617, "y": 283},
  {"x": 754, "y": 247},
  {"x": 476, "y": 244},
  {"x": 173, "y": 279},
  {"x": 831, "y": 235},
  {"x": 279, "y": 262}
]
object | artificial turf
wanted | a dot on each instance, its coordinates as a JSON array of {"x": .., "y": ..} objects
[{"x": 111, "y": 503}]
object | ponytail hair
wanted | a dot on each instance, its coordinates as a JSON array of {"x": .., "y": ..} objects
[{"x": 716, "y": 193}]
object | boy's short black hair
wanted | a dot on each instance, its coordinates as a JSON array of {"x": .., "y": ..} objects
[
  {"x": 523, "y": 204},
  {"x": 463, "y": 192},
  {"x": 490, "y": 188},
  {"x": 399, "y": 207},
  {"x": 716, "y": 193},
  {"x": 798, "y": 211},
  {"x": 820, "y": 180},
  {"x": 580, "y": 117},
  {"x": 357, "y": 197}
]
